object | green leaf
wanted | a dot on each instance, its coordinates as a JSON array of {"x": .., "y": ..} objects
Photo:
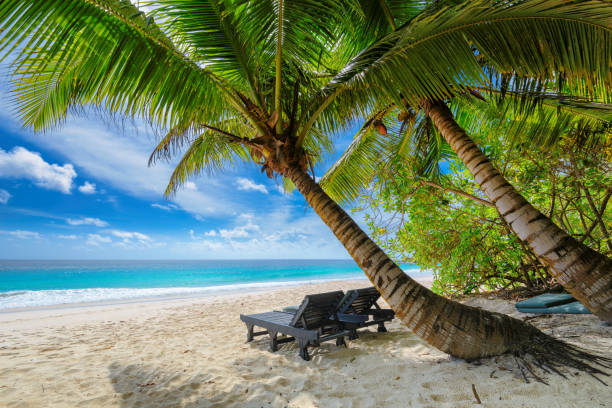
[
  {"x": 210, "y": 152},
  {"x": 102, "y": 53}
]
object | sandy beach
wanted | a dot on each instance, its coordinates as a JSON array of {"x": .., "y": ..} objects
[{"x": 192, "y": 353}]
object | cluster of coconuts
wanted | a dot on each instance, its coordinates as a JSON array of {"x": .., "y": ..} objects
[{"x": 382, "y": 129}]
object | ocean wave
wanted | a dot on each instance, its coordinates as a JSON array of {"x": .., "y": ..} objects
[
  {"x": 38, "y": 298},
  {"x": 13, "y": 293}
]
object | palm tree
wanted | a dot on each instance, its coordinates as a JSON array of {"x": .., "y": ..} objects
[
  {"x": 584, "y": 272},
  {"x": 246, "y": 80}
]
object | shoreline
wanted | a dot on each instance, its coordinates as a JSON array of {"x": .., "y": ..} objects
[
  {"x": 196, "y": 292},
  {"x": 34, "y": 299}
]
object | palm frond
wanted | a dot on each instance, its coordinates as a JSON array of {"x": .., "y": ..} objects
[
  {"x": 375, "y": 18},
  {"x": 308, "y": 26},
  {"x": 209, "y": 29},
  {"x": 235, "y": 130},
  {"x": 539, "y": 120},
  {"x": 318, "y": 144},
  {"x": 441, "y": 54},
  {"x": 102, "y": 53},
  {"x": 306, "y": 33},
  {"x": 347, "y": 177},
  {"x": 210, "y": 152},
  {"x": 287, "y": 185},
  {"x": 424, "y": 149}
]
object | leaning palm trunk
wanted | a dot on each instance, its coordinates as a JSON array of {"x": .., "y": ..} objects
[
  {"x": 585, "y": 273},
  {"x": 462, "y": 331}
]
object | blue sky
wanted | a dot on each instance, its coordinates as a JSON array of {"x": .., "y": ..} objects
[{"x": 84, "y": 191}]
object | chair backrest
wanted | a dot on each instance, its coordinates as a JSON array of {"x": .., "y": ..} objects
[
  {"x": 316, "y": 310},
  {"x": 359, "y": 301}
]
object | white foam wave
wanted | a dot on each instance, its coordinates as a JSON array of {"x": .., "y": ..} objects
[{"x": 38, "y": 298}]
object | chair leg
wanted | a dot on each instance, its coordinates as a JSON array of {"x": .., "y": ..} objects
[
  {"x": 353, "y": 335},
  {"x": 273, "y": 342},
  {"x": 340, "y": 341},
  {"x": 381, "y": 327},
  {"x": 249, "y": 332},
  {"x": 303, "y": 346}
]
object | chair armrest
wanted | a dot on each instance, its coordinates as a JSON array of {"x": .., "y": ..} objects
[{"x": 351, "y": 318}]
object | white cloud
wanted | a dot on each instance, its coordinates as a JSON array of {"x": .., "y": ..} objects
[
  {"x": 243, "y": 230},
  {"x": 88, "y": 188},
  {"x": 281, "y": 189},
  {"x": 97, "y": 240},
  {"x": 4, "y": 196},
  {"x": 21, "y": 234},
  {"x": 87, "y": 221},
  {"x": 247, "y": 185},
  {"x": 61, "y": 236},
  {"x": 126, "y": 235},
  {"x": 238, "y": 232},
  {"x": 290, "y": 234},
  {"x": 124, "y": 239},
  {"x": 22, "y": 163},
  {"x": 190, "y": 186},
  {"x": 167, "y": 207},
  {"x": 286, "y": 232}
]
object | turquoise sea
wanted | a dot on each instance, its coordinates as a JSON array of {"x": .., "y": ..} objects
[{"x": 46, "y": 283}]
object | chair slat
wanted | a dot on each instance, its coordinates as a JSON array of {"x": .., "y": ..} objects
[{"x": 315, "y": 310}]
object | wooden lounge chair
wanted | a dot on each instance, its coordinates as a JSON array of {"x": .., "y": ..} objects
[
  {"x": 313, "y": 323},
  {"x": 363, "y": 303}
]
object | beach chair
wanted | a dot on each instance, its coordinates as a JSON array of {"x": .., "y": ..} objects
[
  {"x": 362, "y": 304},
  {"x": 313, "y": 323}
]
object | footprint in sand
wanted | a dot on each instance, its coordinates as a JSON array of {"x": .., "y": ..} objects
[
  {"x": 439, "y": 397},
  {"x": 426, "y": 385}
]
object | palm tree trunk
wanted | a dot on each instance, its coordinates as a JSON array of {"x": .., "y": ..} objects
[
  {"x": 584, "y": 272},
  {"x": 460, "y": 330}
]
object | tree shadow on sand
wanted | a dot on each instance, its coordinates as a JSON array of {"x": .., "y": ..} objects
[
  {"x": 254, "y": 379},
  {"x": 149, "y": 386}
]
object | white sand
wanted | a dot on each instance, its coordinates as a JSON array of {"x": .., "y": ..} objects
[{"x": 192, "y": 353}]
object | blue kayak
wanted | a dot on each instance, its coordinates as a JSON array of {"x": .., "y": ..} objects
[{"x": 550, "y": 303}]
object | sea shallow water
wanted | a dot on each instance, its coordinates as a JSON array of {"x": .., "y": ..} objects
[{"x": 28, "y": 284}]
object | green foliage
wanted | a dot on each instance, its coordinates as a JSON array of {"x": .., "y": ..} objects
[
  {"x": 104, "y": 53},
  {"x": 544, "y": 117},
  {"x": 345, "y": 179},
  {"x": 465, "y": 243},
  {"x": 447, "y": 51},
  {"x": 409, "y": 135},
  {"x": 210, "y": 151},
  {"x": 207, "y": 30}
]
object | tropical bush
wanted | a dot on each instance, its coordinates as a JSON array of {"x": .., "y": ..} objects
[{"x": 441, "y": 221}]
